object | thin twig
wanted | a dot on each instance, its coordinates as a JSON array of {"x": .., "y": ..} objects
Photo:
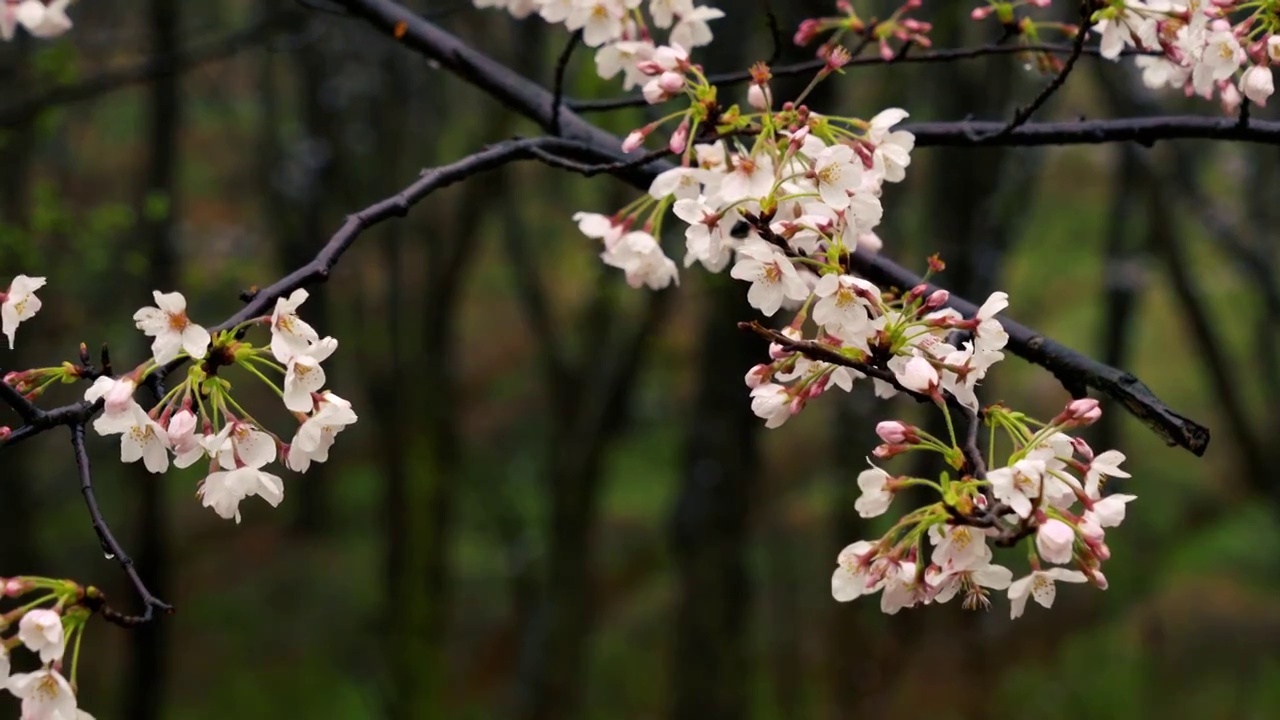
[
  {"x": 562, "y": 67},
  {"x": 903, "y": 56},
  {"x": 110, "y": 546},
  {"x": 1024, "y": 113}
]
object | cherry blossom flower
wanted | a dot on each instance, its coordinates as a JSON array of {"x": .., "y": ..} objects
[
  {"x": 1054, "y": 541},
  {"x": 959, "y": 547},
  {"x": 45, "y": 695},
  {"x": 242, "y": 444},
  {"x": 841, "y": 310},
  {"x": 1018, "y": 485},
  {"x": 44, "y": 21},
  {"x": 41, "y": 631},
  {"x": 772, "y": 403},
  {"x": 1257, "y": 84},
  {"x": 707, "y": 239},
  {"x": 902, "y": 589},
  {"x": 750, "y": 179},
  {"x": 853, "y": 578},
  {"x": 222, "y": 491},
  {"x": 664, "y": 12},
  {"x": 183, "y": 440},
  {"x": 1103, "y": 466},
  {"x": 556, "y": 11},
  {"x": 682, "y": 182},
  {"x": 836, "y": 175},
  {"x": 1109, "y": 511},
  {"x": 599, "y": 20},
  {"x": 893, "y": 149},
  {"x": 116, "y": 394},
  {"x": 945, "y": 582},
  {"x": 1126, "y": 25},
  {"x": 915, "y": 373},
  {"x": 172, "y": 329},
  {"x": 290, "y": 334},
  {"x": 141, "y": 438},
  {"x": 876, "y": 495},
  {"x": 772, "y": 276},
  {"x": 624, "y": 56},
  {"x": 692, "y": 29},
  {"x": 317, "y": 433},
  {"x": 19, "y": 303},
  {"x": 1039, "y": 585},
  {"x": 1218, "y": 61},
  {"x": 305, "y": 376},
  {"x": 641, "y": 258}
]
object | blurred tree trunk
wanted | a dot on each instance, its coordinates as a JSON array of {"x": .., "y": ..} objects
[
  {"x": 710, "y": 518},
  {"x": 19, "y": 550},
  {"x": 711, "y": 658},
  {"x": 158, "y": 208},
  {"x": 304, "y": 224}
]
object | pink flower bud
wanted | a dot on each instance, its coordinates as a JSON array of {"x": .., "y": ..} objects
[
  {"x": 807, "y": 31},
  {"x": 818, "y": 387},
  {"x": 1099, "y": 580},
  {"x": 649, "y": 67},
  {"x": 671, "y": 82},
  {"x": 981, "y": 13},
  {"x": 634, "y": 140},
  {"x": 1078, "y": 413},
  {"x": 1054, "y": 541},
  {"x": 5, "y": 432},
  {"x": 937, "y": 299},
  {"x": 679, "y": 138},
  {"x": 759, "y": 375},
  {"x": 797, "y": 404},
  {"x": 897, "y": 433}
]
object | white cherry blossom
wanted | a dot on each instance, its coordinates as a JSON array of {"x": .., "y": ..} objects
[
  {"x": 1039, "y": 585},
  {"x": 876, "y": 495},
  {"x": 772, "y": 403},
  {"x": 316, "y": 435},
  {"x": 1105, "y": 465},
  {"x": 41, "y": 631},
  {"x": 172, "y": 329},
  {"x": 45, "y": 695},
  {"x": 640, "y": 257},
  {"x": 837, "y": 174},
  {"x": 222, "y": 491},
  {"x": 1054, "y": 541},
  {"x": 1018, "y": 484},
  {"x": 304, "y": 375},
  {"x": 692, "y": 29},
  {"x": 1110, "y": 510},
  {"x": 19, "y": 303},
  {"x": 772, "y": 276},
  {"x": 290, "y": 334}
]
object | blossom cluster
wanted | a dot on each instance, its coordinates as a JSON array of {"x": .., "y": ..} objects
[
  {"x": 199, "y": 418},
  {"x": 1203, "y": 47},
  {"x": 619, "y": 30},
  {"x": 37, "y": 18},
  {"x": 1047, "y": 494},
  {"x": 46, "y": 633}
]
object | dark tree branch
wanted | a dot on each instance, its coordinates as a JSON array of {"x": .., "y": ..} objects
[
  {"x": 1145, "y": 131},
  {"x": 25, "y": 109},
  {"x": 109, "y": 544},
  {"x": 1076, "y": 372}
]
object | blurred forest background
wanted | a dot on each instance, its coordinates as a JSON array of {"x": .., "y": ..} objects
[{"x": 557, "y": 503}]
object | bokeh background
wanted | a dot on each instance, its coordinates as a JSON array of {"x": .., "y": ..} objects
[{"x": 557, "y": 503}]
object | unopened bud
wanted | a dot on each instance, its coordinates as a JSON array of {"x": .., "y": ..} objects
[
  {"x": 760, "y": 97},
  {"x": 937, "y": 299},
  {"x": 1078, "y": 413},
  {"x": 679, "y": 138},
  {"x": 982, "y": 13},
  {"x": 897, "y": 433},
  {"x": 634, "y": 140},
  {"x": 671, "y": 82},
  {"x": 1082, "y": 448},
  {"x": 759, "y": 375},
  {"x": 797, "y": 404},
  {"x": 5, "y": 432}
]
